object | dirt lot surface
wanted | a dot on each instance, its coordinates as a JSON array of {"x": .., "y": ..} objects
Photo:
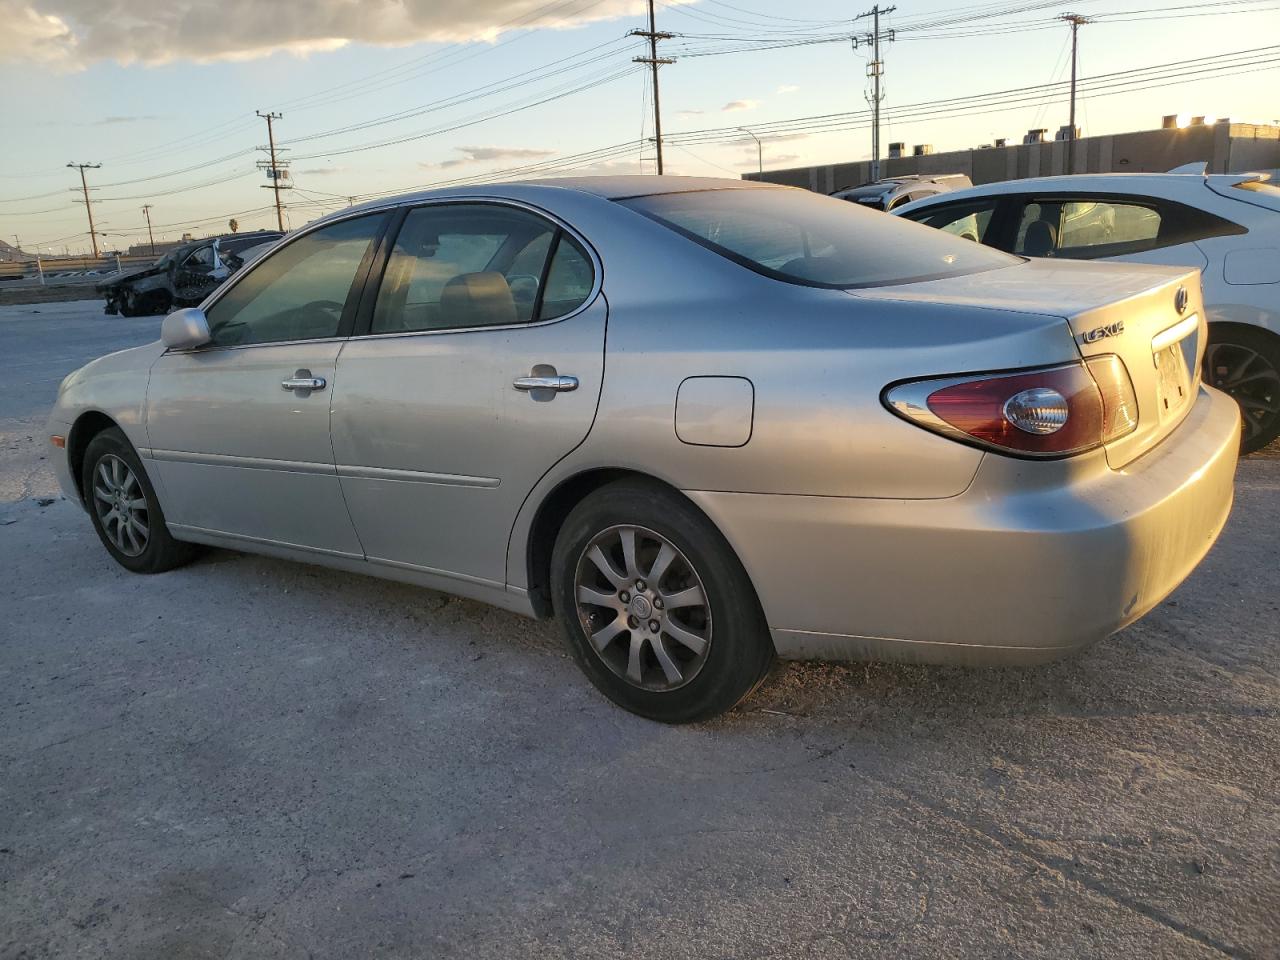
[{"x": 252, "y": 758}]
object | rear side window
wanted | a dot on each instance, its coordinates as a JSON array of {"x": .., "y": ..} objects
[
  {"x": 804, "y": 238},
  {"x": 456, "y": 266},
  {"x": 1086, "y": 227},
  {"x": 569, "y": 279}
]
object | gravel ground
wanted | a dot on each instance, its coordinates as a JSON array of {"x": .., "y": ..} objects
[{"x": 252, "y": 758}]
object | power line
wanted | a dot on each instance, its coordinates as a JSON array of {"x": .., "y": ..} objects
[
  {"x": 274, "y": 171},
  {"x": 875, "y": 70},
  {"x": 146, "y": 212},
  {"x": 1076, "y": 20},
  {"x": 88, "y": 207},
  {"x": 654, "y": 61}
]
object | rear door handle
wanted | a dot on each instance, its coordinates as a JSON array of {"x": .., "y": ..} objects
[{"x": 559, "y": 384}]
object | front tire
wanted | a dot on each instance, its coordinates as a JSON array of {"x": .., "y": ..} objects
[
  {"x": 123, "y": 507},
  {"x": 656, "y": 608},
  {"x": 1245, "y": 362}
]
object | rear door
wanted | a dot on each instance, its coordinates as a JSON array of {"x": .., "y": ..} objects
[{"x": 440, "y": 429}]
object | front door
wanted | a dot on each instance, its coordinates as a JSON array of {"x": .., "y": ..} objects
[
  {"x": 239, "y": 429},
  {"x": 481, "y": 368}
]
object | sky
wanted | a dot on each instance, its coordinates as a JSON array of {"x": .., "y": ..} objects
[{"x": 381, "y": 96}]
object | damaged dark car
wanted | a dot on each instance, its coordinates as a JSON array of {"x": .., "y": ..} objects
[{"x": 182, "y": 277}]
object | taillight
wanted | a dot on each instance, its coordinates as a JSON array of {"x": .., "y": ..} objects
[{"x": 1052, "y": 412}]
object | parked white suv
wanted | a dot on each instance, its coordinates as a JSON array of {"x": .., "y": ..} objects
[{"x": 1228, "y": 226}]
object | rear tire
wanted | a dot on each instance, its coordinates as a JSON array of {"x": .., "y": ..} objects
[
  {"x": 1245, "y": 363},
  {"x": 123, "y": 507},
  {"x": 656, "y": 607}
]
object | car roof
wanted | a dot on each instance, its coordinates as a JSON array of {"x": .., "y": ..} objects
[
  {"x": 1151, "y": 184},
  {"x": 608, "y": 188}
]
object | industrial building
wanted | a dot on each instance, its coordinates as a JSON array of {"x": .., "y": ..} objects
[{"x": 1226, "y": 147}]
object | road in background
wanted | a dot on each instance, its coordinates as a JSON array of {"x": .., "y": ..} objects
[{"x": 253, "y": 758}]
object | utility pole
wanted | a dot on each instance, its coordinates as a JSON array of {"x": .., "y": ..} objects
[
  {"x": 146, "y": 210},
  {"x": 875, "y": 70},
  {"x": 654, "y": 61},
  {"x": 1075, "y": 20},
  {"x": 274, "y": 170},
  {"x": 84, "y": 185},
  {"x": 759, "y": 149}
]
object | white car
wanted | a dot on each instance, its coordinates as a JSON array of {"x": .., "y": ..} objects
[{"x": 1227, "y": 226}]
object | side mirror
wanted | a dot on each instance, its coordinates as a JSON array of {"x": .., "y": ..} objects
[{"x": 185, "y": 329}]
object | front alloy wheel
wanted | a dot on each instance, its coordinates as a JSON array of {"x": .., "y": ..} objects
[{"x": 121, "y": 506}]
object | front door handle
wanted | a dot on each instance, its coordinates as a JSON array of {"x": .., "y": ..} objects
[
  {"x": 559, "y": 384},
  {"x": 303, "y": 382}
]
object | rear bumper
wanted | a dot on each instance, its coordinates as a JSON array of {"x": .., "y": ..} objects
[{"x": 1033, "y": 561}]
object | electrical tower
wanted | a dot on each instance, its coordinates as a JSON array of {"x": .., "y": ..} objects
[
  {"x": 875, "y": 70},
  {"x": 146, "y": 212},
  {"x": 1075, "y": 20},
  {"x": 276, "y": 170},
  {"x": 88, "y": 208},
  {"x": 654, "y": 61}
]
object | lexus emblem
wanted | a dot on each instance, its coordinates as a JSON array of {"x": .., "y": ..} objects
[{"x": 1180, "y": 300}]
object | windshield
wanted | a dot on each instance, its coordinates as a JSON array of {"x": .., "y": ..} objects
[{"x": 805, "y": 238}]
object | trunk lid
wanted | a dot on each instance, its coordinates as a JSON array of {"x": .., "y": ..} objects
[{"x": 1134, "y": 312}]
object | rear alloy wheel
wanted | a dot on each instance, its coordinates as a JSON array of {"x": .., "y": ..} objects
[
  {"x": 1245, "y": 363},
  {"x": 123, "y": 507},
  {"x": 644, "y": 608},
  {"x": 656, "y": 607}
]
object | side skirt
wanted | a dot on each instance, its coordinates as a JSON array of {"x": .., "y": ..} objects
[{"x": 513, "y": 599}]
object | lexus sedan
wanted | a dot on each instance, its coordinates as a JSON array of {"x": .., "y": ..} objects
[
  {"x": 704, "y": 423},
  {"x": 1226, "y": 226}
]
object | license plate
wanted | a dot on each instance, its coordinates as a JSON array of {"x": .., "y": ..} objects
[{"x": 1175, "y": 371}]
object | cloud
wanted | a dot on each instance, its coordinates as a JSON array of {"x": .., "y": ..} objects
[
  {"x": 734, "y": 105},
  {"x": 72, "y": 33},
  {"x": 788, "y": 88},
  {"x": 31, "y": 34},
  {"x": 609, "y": 168},
  {"x": 320, "y": 171},
  {"x": 487, "y": 154},
  {"x": 111, "y": 121},
  {"x": 690, "y": 113}
]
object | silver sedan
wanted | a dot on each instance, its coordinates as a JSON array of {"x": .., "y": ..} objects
[{"x": 704, "y": 423}]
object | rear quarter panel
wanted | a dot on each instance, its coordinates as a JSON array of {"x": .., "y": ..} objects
[{"x": 817, "y": 361}]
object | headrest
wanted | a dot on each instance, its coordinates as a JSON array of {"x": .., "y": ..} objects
[
  {"x": 1041, "y": 239},
  {"x": 478, "y": 300}
]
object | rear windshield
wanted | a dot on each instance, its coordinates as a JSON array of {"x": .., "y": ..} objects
[{"x": 817, "y": 241}]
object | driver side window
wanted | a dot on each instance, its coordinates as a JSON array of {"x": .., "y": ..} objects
[
  {"x": 300, "y": 291},
  {"x": 201, "y": 259}
]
